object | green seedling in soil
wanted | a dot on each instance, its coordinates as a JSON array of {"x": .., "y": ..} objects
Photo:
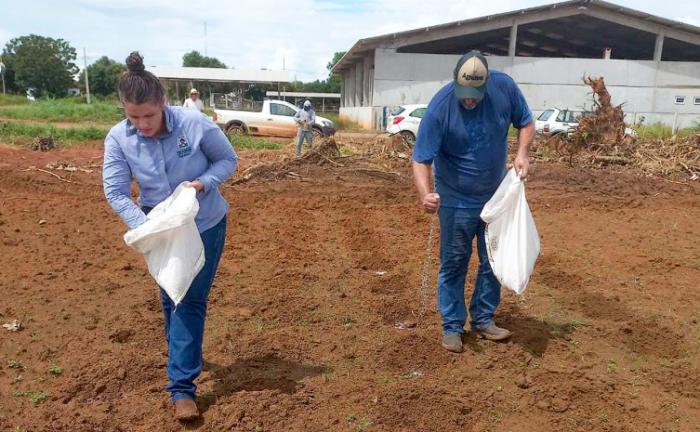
[
  {"x": 38, "y": 398},
  {"x": 257, "y": 428},
  {"x": 40, "y": 379},
  {"x": 35, "y": 397},
  {"x": 347, "y": 323},
  {"x": 351, "y": 418},
  {"x": 363, "y": 425},
  {"x": 55, "y": 370},
  {"x": 15, "y": 364},
  {"x": 612, "y": 366}
]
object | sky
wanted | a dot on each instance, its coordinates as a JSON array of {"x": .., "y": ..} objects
[{"x": 300, "y": 36}]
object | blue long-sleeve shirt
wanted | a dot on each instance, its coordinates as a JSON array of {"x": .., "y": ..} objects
[{"x": 191, "y": 148}]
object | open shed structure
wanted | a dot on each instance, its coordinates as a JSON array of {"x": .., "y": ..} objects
[
  {"x": 651, "y": 64},
  {"x": 179, "y": 80}
]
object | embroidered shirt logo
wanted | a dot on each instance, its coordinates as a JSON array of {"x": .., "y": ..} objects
[{"x": 183, "y": 147}]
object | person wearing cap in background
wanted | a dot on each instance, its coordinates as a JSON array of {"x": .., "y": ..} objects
[
  {"x": 464, "y": 134},
  {"x": 305, "y": 118},
  {"x": 194, "y": 102}
]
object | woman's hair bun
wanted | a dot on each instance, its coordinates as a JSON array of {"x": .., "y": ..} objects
[{"x": 134, "y": 63}]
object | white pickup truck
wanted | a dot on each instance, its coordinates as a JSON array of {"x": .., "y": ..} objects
[{"x": 268, "y": 118}]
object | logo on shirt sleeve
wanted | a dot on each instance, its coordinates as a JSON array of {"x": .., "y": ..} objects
[{"x": 183, "y": 147}]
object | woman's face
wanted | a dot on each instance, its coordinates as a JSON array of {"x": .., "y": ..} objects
[{"x": 146, "y": 117}]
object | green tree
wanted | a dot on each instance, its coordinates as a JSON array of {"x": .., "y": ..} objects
[
  {"x": 333, "y": 80},
  {"x": 336, "y": 58},
  {"x": 195, "y": 59},
  {"x": 41, "y": 63},
  {"x": 103, "y": 76}
]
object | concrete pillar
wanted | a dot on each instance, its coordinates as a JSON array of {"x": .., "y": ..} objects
[
  {"x": 342, "y": 91},
  {"x": 513, "y": 40},
  {"x": 365, "y": 80},
  {"x": 659, "y": 47},
  {"x": 359, "y": 73},
  {"x": 607, "y": 53}
]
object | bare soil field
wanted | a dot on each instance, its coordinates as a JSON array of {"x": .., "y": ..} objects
[{"x": 317, "y": 271}]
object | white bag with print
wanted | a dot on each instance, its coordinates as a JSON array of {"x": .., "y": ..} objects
[
  {"x": 170, "y": 242},
  {"x": 512, "y": 241}
]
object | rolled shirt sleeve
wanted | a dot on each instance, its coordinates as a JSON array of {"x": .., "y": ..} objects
[{"x": 116, "y": 182}]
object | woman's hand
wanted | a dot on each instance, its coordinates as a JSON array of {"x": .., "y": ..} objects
[{"x": 198, "y": 185}]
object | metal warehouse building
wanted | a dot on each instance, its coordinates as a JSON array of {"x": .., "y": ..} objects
[{"x": 651, "y": 64}]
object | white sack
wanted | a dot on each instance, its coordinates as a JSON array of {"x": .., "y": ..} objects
[
  {"x": 170, "y": 242},
  {"x": 511, "y": 236}
]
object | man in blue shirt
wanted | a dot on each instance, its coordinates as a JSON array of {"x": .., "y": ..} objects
[{"x": 464, "y": 134}]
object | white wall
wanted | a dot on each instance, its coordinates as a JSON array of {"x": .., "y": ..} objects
[{"x": 643, "y": 87}]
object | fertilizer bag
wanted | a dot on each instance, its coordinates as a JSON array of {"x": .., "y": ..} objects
[
  {"x": 512, "y": 241},
  {"x": 170, "y": 242}
]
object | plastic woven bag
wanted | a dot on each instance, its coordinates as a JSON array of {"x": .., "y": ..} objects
[
  {"x": 512, "y": 241},
  {"x": 170, "y": 242}
]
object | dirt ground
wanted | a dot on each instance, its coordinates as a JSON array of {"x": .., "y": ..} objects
[{"x": 301, "y": 329}]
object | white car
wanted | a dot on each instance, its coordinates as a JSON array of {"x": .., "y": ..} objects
[
  {"x": 554, "y": 121},
  {"x": 405, "y": 119}
]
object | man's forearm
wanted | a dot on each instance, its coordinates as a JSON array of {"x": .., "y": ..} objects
[
  {"x": 421, "y": 177},
  {"x": 525, "y": 137}
]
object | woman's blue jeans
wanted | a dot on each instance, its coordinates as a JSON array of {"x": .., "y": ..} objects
[{"x": 184, "y": 324}]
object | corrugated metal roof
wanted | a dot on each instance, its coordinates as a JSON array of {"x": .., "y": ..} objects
[
  {"x": 370, "y": 43},
  {"x": 221, "y": 75}
]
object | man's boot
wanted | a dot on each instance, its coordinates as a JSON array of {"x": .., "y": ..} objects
[
  {"x": 453, "y": 342},
  {"x": 493, "y": 333}
]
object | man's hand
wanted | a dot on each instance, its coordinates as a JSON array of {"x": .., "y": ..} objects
[
  {"x": 522, "y": 165},
  {"x": 431, "y": 202},
  {"x": 198, "y": 185},
  {"x": 522, "y": 162}
]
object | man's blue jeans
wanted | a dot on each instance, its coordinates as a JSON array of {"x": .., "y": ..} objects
[
  {"x": 458, "y": 227},
  {"x": 184, "y": 324},
  {"x": 304, "y": 135}
]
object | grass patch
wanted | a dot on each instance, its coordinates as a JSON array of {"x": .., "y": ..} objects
[
  {"x": 661, "y": 131},
  {"x": 65, "y": 110},
  {"x": 7, "y": 99},
  {"x": 341, "y": 123},
  {"x": 22, "y": 131},
  {"x": 239, "y": 141}
]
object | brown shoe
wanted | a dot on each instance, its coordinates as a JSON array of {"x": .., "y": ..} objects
[
  {"x": 185, "y": 409},
  {"x": 493, "y": 333}
]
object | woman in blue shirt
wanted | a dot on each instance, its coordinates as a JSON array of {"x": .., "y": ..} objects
[{"x": 162, "y": 146}]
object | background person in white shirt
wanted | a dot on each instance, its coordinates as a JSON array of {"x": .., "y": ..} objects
[{"x": 194, "y": 102}]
